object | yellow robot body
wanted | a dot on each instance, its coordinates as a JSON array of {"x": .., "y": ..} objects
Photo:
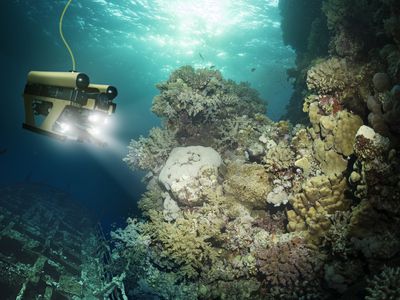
[{"x": 66, "y": 106}]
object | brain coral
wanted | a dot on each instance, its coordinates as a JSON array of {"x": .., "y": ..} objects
[{"x": 188, "y": 171}]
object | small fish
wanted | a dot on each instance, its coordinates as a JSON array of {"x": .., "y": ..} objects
[
  {"x": 212, "y": 67},
  {"x": 3, "y": 151},
  {"x": 253, "y": 69},
  {"x": 201, "y": 56}
]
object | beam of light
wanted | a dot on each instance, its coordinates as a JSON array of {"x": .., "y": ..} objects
[{"x": 198, "y": 17}]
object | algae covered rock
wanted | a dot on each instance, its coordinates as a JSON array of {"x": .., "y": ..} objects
[
  {"x": 248, "y": 182},
  {"x": 188, "y": 170}
]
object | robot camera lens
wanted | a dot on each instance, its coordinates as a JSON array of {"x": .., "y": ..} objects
[
  {"x": 82, "y": 81},
  {"x": 111, "y": 92}
]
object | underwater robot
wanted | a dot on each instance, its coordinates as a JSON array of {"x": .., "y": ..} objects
[{"x": 65, "y": 105}]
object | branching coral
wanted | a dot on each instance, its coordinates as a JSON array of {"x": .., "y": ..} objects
[
  {"x": 130, "y": 249},
  {"x": 179, "y": 245},
  {"x": 152, "y": 199},
  {"x": 385, "y": 285},
  {"x": 348, "y": 82},
  {"x": 286, "y": 265},
  {"x": 192, "y": 98},
  {"x": 337, "y": 237},
  {"x": 165, "y": 285},
  {"x": 330, "y": 76},
  {"x": 150, "y": 153},
  {"x": 212, "y": 231}
]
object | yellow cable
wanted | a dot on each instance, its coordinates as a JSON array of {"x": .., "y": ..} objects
[{"x": 62, "y": 35}]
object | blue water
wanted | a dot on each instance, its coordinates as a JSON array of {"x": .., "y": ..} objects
[{"x": 131, "y": 45}]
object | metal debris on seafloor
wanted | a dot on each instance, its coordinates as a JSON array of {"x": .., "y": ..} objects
[{"x": 50, "y": 247}]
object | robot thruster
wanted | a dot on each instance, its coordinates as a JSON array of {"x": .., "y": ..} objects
[{"x": 66, "y": 105}]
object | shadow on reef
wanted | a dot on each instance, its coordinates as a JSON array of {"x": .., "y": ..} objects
[{"x": 240, "y": 207}]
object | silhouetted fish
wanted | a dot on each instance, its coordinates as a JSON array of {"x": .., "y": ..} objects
[
  {"x": 201, "y": 56},
  {"x": 212, "y": 67},
  {"x": 3, "y": 151},
  {"x": 253, "y": 69}
]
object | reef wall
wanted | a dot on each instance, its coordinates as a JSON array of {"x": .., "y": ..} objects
[{"x": 240, "y": 207}]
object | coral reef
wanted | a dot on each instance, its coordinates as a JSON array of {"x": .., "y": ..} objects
[
  {"x": 193, "y": 101},
  {"x": 240, "y": 207}
]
